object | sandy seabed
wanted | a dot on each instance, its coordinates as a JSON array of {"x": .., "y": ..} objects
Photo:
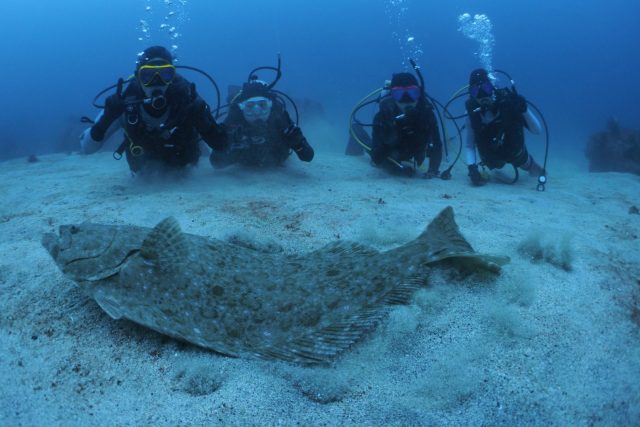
[{"x": 554, "y": 340}]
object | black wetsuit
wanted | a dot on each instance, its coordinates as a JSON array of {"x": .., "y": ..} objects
[
  {"x": 412, "y": 136},
  {"x": 168, "y": 137},
  {"x": 501, "y": 140},
  {"x": 262, "y": 144}
]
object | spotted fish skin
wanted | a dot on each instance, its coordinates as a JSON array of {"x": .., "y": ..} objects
[{"x": 242, "y": 301}]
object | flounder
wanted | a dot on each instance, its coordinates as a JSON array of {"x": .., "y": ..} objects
[{"x": 244, "y": 301}]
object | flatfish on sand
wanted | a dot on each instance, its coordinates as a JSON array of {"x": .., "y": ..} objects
[{"x": 245, "y": 301}]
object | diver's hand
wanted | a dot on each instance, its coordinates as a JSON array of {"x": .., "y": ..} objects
[
  {"x": 298, "y": 143},
  {"x": 114, "y": 105},
  {"x": 407, "y": 171},
  {"x": 446, "y": 175},
  {"x": 291, "y": 133},
  {"x": 379, "y": 153},
  {"x": 293, "y": 136},
  {"x": 476, "y": 179},
  {"x": 519, "y": 103}
]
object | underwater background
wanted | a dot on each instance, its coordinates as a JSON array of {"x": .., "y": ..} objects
[
  {"x": 575, "y": 60},
  {"x": 552, "y": 341}
]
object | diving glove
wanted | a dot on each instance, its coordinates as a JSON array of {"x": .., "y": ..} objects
[
  {"x": 430, "y": 174},
  {"x": 407, "y": 171},
  {"x": 291, "y": 134},
  {"x": 519, "y": 103},
  {"x": 298, "y": 143},
  {"x": 476, "y": 179}
]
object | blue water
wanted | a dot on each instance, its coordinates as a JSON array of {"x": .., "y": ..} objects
[{"x": 578, "y": 61}]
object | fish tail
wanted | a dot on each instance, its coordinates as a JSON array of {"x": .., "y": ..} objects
[{"x": 442, "y": 240}]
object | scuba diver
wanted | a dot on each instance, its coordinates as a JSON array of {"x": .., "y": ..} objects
[
  {"x": 162, "y": 116},
  {"x": 260, "y": 131},
  {"x": 405, "y": 129},
  {"x": 495, "y": 124}
]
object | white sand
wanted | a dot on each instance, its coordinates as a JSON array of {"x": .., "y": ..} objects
[{"x": 536, "y": 346}]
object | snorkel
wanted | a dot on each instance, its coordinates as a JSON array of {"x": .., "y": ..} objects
[{"x": 416, "y": 68}]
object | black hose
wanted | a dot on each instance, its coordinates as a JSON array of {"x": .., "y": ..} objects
[
  {"x": 542, "y": 179},
  {"x": 252, "y": 74},
  {"x": 446, "y": 107},
  {"x": 213, "y": 82},
  {"x": 215, "y": 85},
  {"x": 359, "y": 107},
  {"x": 288, "y": 98},
  {"x": 277, "y": 69},
  {"x": 447, "y": 172},
  {"x": 516, "y": 175},
  {"x": 102, "y": 92},
  {"x": 416, "y": 68},
  {"x": 511, "y": 81}
]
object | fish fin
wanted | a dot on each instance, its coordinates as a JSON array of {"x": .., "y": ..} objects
[
  {"x": 475, "y": 261},
  {"x": 255, "y": 245},
  {"x": 443, "y": 237},
  {"x": 442, "y": 240},
  {"x": 109, "y": 305},
  {"x": 165, "y": 246},
  {"x": 324, "y": 345},
  {"x": 402, "y": 294},
  {"x": 348, "y": 247}
]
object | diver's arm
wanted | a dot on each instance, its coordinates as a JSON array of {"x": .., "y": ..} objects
[
  {"x": 533, "y": 124},
  {"x": 295, "y": 139},
  {"x": 113, "y": 108},
  {"x": 88, "y": 142},
  {"x": 380, "y": 135},
  {"x": 303, "y": 150},
  {"x": 470, "y": 153},
  {"x": 213, "y": 134},
  {"x": 298, "y": 143},
  {"x": 470, "y": 144}
]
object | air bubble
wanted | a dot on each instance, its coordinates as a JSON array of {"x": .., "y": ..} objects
[
  {"x": 156, "y": 27},
  {"x": 480, "y": 29},
  {"x": 410, "y": 47}
]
